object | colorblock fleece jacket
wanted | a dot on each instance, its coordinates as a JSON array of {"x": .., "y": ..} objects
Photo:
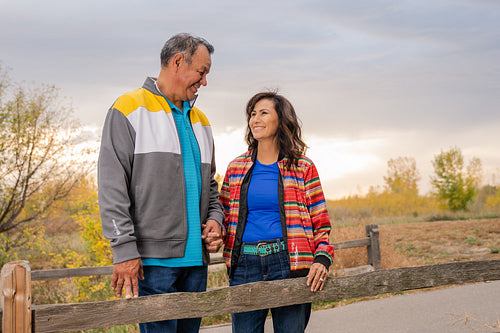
[
  {"x": 141, "y": 181},
  {"x": 304, "y": 218}
]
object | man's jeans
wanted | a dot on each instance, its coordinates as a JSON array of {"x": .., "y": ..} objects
[
  {"x": 162, "y": 280},
  {"x": 253, "y": 268}
]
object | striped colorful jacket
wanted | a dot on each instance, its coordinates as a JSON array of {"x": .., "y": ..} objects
[{"x": 304, "y": 216}]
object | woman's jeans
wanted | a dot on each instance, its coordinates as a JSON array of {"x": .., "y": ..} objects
[
  {"x": 162, "y": 280},
  {"x": 253, "y": 268}
]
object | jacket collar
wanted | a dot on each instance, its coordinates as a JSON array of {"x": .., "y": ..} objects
[{"x": 150, "y": 85}]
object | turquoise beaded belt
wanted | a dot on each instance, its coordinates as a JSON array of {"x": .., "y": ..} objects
[{"x": 263, "y": 249}]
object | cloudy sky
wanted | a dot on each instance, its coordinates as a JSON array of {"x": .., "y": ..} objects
[{"x": 371, "y": 80}]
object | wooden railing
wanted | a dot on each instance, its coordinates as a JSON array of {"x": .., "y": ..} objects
[
  {"x": 247, "y": 297},
  {"x": 18, "y": 314}
]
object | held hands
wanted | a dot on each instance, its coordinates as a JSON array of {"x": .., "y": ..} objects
[
  {"x": 125, "y": 274},
  {"x": 211, "y": 236},
  {"x": 317, "y": 276}
]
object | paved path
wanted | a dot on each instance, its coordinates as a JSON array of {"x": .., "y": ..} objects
[{"x": 434, "y": 311}]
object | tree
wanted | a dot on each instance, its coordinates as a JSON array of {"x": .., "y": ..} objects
[
  {"x": 402, "y": 176},
  {"x": 38, "y": 165},
  {"x": 455, "y": 184}
]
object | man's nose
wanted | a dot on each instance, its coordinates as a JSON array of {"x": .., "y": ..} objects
[{"x": 203, "y": 80}]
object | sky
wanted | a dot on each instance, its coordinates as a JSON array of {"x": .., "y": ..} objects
[{"x": 370, "y": 80}]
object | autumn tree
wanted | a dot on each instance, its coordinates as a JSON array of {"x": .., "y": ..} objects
[
  {"x": 38, "y": 162},
  {"x": 402, "y": 175},
  {"x": 455, "y": 184}
]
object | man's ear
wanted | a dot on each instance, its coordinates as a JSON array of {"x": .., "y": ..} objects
[{"x": 177, "y": 60}]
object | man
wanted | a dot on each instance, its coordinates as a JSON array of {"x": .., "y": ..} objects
[{"x": 157, "y": 193}]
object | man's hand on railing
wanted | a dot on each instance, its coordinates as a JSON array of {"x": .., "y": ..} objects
[{"x": 126, "y": 274}]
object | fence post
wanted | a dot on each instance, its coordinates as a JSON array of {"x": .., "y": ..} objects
[
  {"x": 374, "y": 248},
  {"x": 16, "y": 297}
]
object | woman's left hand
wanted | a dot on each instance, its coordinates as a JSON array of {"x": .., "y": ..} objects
[{"x": 317, "y": 276}]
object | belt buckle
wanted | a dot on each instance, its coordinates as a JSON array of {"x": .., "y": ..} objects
[{"x": 258, "y": 249}]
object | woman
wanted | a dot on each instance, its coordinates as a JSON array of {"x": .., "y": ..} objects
[{"x": 275, "y": 213}]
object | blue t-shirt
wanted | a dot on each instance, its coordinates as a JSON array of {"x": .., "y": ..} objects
[
  {"x": 263, "y": 219},
  {"x": 191, "y": 162}
]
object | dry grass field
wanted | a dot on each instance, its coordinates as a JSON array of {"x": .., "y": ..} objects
[{"x": 423, "y": 243}]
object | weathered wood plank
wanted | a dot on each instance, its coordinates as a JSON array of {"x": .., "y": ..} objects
[
  {"x": 351, "y": 271},
  {"x": 70, "y": 272},
  {"x": 373, "y": 249},
  {"x": 89, "y": 271},
  {"x": 352, "y": 243},
  {"x": 253, "y": 296},
  {"x": 16, "y": 294}
]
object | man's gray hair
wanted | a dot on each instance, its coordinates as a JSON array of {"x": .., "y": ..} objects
[{"x": 183, "y": 43}]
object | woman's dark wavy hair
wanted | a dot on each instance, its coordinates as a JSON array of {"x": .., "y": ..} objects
[{"x": 288, "y": 135}]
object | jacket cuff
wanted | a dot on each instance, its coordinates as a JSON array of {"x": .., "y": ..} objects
[
  {"x": 125, "y": 252},
  {"x": 323, "y": 260},
  {"x": 217, "y": 216}
]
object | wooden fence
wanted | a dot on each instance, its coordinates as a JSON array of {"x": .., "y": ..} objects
[{"x": 20, "y": 316}]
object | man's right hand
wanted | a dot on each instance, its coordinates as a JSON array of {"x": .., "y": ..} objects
[{"x": 125, "y": 274}]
